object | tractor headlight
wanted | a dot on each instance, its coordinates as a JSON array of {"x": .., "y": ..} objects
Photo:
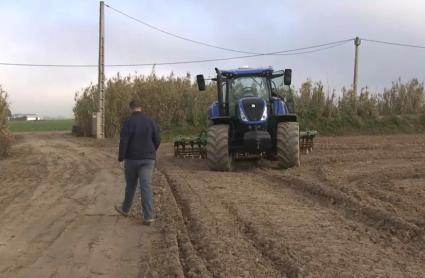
[
  {"x": 264, "y": 116},
  {"x": 243, "y": 116}
]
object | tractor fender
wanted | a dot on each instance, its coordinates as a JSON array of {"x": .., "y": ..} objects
[
  {"x": 214, "y": 110},
  {"x": 221, "y": 120},
  {"x": 279, "y": 107},
  {"x": 214, "y": 115}
]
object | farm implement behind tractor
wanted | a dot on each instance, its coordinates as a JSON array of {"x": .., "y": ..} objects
[
  {"x": 191, "y": 147},
  {"x": 196, "y": 146}
]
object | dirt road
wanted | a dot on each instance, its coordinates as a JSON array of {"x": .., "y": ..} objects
[{"x": 355, "y": 208}]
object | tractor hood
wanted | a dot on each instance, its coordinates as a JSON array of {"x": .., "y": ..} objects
[{"x": 252, "y": 110}]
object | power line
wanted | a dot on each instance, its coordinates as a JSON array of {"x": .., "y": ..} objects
[
  {"x": 226, "y": 59},
  {"x": 178, "y": 36},
  {"x": 394, "y": 43},
  {"x": 248, "y": 52},
  {"x": 211, "y": 45},
  {"x": 329, "y": 46},
  {"x": 314, "y": 47},
  {"x": 289, "y": 52},
  {"x": 279, "y": 53},
  {"x": 295, "y": 51}
]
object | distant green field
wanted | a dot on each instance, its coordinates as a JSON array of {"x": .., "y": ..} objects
[{"x": 44, "y": 125}]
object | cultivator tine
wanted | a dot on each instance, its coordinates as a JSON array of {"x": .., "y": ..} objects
[
  {"x": 191, "y": 147},
  {"x": 306, "y": 141},
  {"x": 195, "y": 147}
]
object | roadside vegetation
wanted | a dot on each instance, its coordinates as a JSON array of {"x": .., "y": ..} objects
[
  {"x": 5, "y": 136},
  {"x": 176, "y": 104}
]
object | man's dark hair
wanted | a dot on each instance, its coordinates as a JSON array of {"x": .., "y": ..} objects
[{"x": 135, "y": 104}]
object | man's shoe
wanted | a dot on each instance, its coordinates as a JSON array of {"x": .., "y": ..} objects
[
  {"x": 119, "y": 209},
  {"x": 148, "y": 222}
]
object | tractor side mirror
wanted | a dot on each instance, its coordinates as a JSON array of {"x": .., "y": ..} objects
[
  {"x": 201, "y": 82},
  {"x": 287, "y": 77}
]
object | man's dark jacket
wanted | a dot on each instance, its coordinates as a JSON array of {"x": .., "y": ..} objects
[{"x": 139, "y": 138}]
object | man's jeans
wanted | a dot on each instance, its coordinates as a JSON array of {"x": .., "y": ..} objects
[{"x": 141, "y": 170}]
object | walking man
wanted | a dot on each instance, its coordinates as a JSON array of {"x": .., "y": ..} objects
[{"x": 139, "y": 141}]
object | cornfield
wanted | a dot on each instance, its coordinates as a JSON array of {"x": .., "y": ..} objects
[
  {"x": 5, "y": 136},
  {"x": 175, "y": 102},
  {"x": 396, "y": 109},
  {"x": 171, "y": 101}
]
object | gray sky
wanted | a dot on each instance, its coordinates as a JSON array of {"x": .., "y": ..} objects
[{"x": 53, "y": 31}]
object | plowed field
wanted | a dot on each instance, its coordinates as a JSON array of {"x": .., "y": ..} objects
[{"x": 355, "y": 208}]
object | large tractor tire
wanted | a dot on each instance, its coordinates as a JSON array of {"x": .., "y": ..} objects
[
  {"x": 218, "y": 156},
  {"x": 288, "y": 144}
]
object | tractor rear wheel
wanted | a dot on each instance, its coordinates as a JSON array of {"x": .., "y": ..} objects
[
  {"x": 218, "y": 156},
  {"x": 288, "y": 144}
]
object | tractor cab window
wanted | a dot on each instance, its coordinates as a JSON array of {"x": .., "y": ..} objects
[
  {"x": 249, "y": 87},
  {"x": 242, "y": 87}
]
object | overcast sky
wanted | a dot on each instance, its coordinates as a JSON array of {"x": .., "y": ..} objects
[{"x": 66, "y": 32}]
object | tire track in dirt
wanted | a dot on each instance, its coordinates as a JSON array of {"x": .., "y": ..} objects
[
  {"x": 365, "y": 175},
  {"x": 193, "y": 265},
  {"x": 166, "y": 258},
  {"x": 383, "y": 190},
  {"x": 283, "y": 260},
  {"x": 193, "y": 262},
  {"x": 375, "y": 240},
  {"x": 352, "y": 209},
  {"x": 208, "y": 230},
  {"x": 299, "y": 234}
]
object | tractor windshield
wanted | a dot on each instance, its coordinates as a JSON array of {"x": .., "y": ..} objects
[{"x": 252, "y": 86}]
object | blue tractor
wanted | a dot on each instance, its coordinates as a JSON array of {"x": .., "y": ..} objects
[{"x": 251, "y": 118}]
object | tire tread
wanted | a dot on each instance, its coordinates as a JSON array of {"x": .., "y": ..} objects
[{"x": 288, "y": 144}]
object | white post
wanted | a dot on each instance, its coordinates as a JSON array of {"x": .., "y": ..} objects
[
  {"x": 357, "y": 42},
  {"x": 100, "y": 127}
]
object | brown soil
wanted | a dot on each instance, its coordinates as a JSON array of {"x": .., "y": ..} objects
[{"x": 355, "y": 208}]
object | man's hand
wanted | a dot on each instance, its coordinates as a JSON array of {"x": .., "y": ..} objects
[{"x": 122, "y": 164}]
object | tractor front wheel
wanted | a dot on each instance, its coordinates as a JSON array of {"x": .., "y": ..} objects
[
  {"x": 218, "y": 155},
  {"x": 288, "y": 144}
]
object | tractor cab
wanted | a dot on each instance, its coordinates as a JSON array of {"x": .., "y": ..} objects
[
  {"x": 250, "y": 108},
  {"x": 246, "y": 94},
  {"x": 242, "y": 89}
]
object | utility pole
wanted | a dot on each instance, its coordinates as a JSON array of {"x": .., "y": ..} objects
[
  {"x": 357, "y": 42},
  {"x": 100, "y": 117}
]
